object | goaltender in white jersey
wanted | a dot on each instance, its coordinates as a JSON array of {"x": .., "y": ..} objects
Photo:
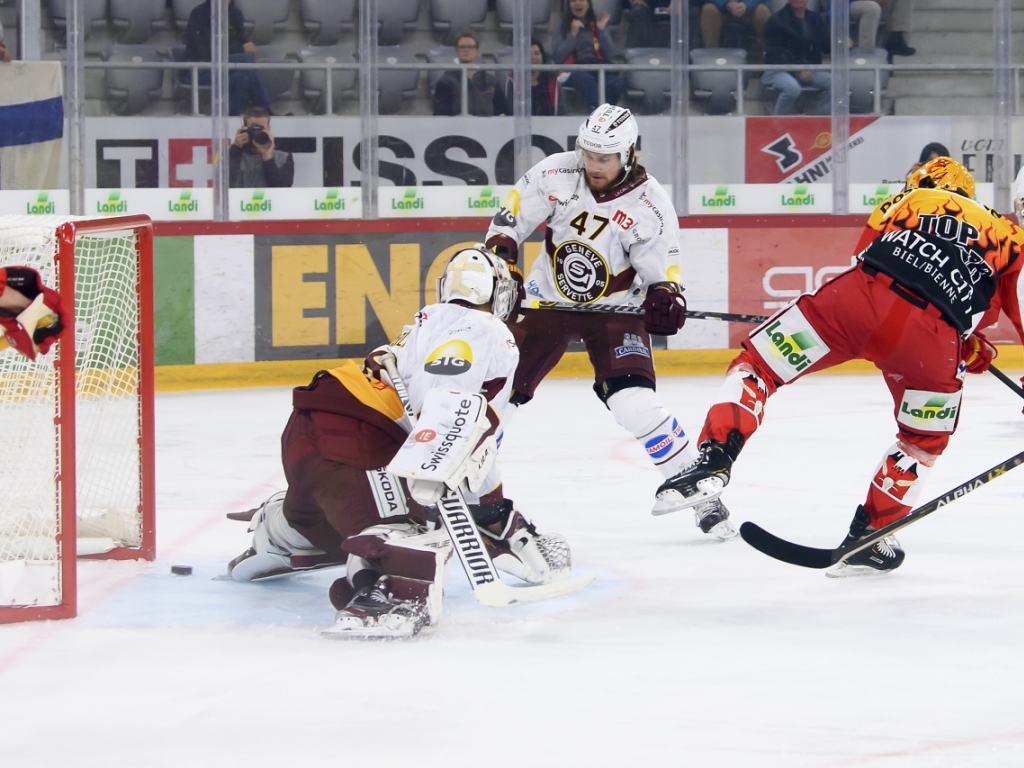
[
  {"x": 343, "y": 505},
  {"x": 612, "y": 238}
]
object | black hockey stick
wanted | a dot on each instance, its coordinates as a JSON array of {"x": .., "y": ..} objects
[
  {"x": 1006, "y": 380},
  {"x": 811, "y": 557},
  {"x": 621, "y": 309}
]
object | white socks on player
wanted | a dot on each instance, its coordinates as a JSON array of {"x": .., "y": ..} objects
[{"x": 637, "y": 410}]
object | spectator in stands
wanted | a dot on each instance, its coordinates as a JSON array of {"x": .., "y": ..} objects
[
  {"x": 448, "y": 90},
  {"x": 929, "y": 153},
  {"x": 582, "y": 38},
  {"x": 735, "y": 24},
  {"x": 244, "y": 86},
  {"x": 897, "y": 19},
  {"x": 794, "y": 36},
  {"x": 542, "y": 87},
  {"x": 648, "y": 24},
  {"x": 868, "y": 14},
  {"x": 254, "y": 158},
  {"x": 5, "y": 55}
]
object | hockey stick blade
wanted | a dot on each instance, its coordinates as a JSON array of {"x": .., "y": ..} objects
[
  {"x": 622, "y": 309},
  {"x": 499, "y": 595},
  {"x": 812, "y": 557}
]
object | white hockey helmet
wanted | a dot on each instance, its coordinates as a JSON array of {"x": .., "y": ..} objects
[
  {"x": 609, "y": 130},
  {"x": 477, "y": 276}
]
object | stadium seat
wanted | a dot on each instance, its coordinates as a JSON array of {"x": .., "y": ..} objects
[
  {"x": 540, "y": 14},
  {"x": 180, "y": 10},
  {"x": 862, "y": 82},
  {"x": 717, "y": 89},
  {"x": 394, "y": 17},
  {"x": 135, "y": 20},
  {"x": 441, "y": 54},
  {"x": 314, "y": 81},
  {"x": 325, "y": 19},
  {"x": 94, "y": 13},
  {"x": 613, "y": 7},
  {"x": 278, "y": 82},
  {"x": 652, "y": 85},
  {"x": 394, "y": 85},
  {"x": 263, "y": 18},
  {"x": 455, "y": 15},
  {"x": 130, "y": 90}
]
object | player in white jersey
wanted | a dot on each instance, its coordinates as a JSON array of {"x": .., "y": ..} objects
[
  {"x": 342, "y": 505},
  {"x": 612, "y": 239}
]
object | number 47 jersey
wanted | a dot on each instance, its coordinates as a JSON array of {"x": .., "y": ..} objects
[{"x": 600, "y": 248}]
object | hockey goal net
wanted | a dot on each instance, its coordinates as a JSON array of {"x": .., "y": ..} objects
[{"x": 76, "y": 452}]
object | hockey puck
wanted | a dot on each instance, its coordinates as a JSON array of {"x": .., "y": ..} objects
[{"x": 181, "y": 570}]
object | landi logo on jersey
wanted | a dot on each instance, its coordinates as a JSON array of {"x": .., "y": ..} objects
[
  {"x": 408, "y": 202},
  {"x": 721, "y": 199},
  {"x": 42, "y": 206},
  {"x": 486, "y": 200},
  {"x": 113, "y": 204},
  {"x": 799, "y": 198},
  {"x": 880, "y": 196},
  {"x": 425, "y": 436},
  {"x": 789, "y": 344},
  {"x": 256, "y": 204},
  {"x": 450, "y": 359},
  {"x": 929, "y": 411},
  {"x": 632, "y": 344},
  {"x": 330, "y": 204}
]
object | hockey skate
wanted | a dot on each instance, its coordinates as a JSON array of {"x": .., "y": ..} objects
[
  {"x": 703, "y": 480},
  {"x": 713, "y": 517},
  {"x": 522, "y": 552},
  {"x": 375, "y": 614},
  {"x": 881, "y": 557}
]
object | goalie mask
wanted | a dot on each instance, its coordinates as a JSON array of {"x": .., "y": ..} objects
[
  {"x": 477, "y": 276},
  {"x": 943, "y": 173},
  {"x": 608, "y": 131}
]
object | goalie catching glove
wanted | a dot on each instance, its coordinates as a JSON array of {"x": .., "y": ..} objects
[
  {"x": 30, "y": 329},
  {"x": 664, "y": 309}
]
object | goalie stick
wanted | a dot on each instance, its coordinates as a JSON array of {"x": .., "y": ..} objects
[
  {"x": 811, "y": 557},
  {"x": 488, "y": 588},
  {"x": 622, "y": 309}
]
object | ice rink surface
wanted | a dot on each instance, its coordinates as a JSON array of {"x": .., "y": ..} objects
[{"x": 684, "y": 652}]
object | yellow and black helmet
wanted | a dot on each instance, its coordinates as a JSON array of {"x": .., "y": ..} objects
[{"x": 943, "y": 173}]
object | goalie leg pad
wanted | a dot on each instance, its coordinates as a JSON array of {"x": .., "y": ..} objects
[
  {"x": 277, "y": 548},
  {"x": 897, "y": 483},
  {"x": 637, "y": 410}
]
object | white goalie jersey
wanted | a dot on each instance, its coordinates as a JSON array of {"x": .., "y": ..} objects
[
  {"x": 602, "y": 248},
  {"x": 453, "y": 347}
]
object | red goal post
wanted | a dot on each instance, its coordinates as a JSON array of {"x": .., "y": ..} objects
[{"x": 77, "y": 449}]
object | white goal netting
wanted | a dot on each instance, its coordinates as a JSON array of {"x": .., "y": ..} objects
[{"x": 107, "y": 407}]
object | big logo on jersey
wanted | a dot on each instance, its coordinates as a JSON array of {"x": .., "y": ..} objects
[
  {"x": 450, "y": 359},
  {"x": 789, "y": 344},
  {"x": 581, "y": 275}
]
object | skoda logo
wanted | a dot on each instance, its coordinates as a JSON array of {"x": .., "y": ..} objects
[{"x": 581, "y": 275}]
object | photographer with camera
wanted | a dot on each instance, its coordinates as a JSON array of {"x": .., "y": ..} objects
[{"x": 254, "y": 160}]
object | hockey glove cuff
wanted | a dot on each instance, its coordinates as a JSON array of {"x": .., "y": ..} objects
[
  {"x": 664, "y": 309},
  {"x": 977, "y": 353}
]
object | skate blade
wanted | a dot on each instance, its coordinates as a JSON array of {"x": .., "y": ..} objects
[
  {"x": 671, "y": 500},
  {"x": 368, "y": 633},
  {"x": 724, "y": 531},
  {"x": 844, "y": 570}
]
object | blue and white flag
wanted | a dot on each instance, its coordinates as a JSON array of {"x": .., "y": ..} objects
[{"x": 31, "y": 124}]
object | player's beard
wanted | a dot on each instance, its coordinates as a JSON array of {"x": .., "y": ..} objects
[{"x": 606, "y": 183}]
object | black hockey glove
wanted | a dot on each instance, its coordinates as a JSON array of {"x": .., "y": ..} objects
[{"x": 664, "y": 309}]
